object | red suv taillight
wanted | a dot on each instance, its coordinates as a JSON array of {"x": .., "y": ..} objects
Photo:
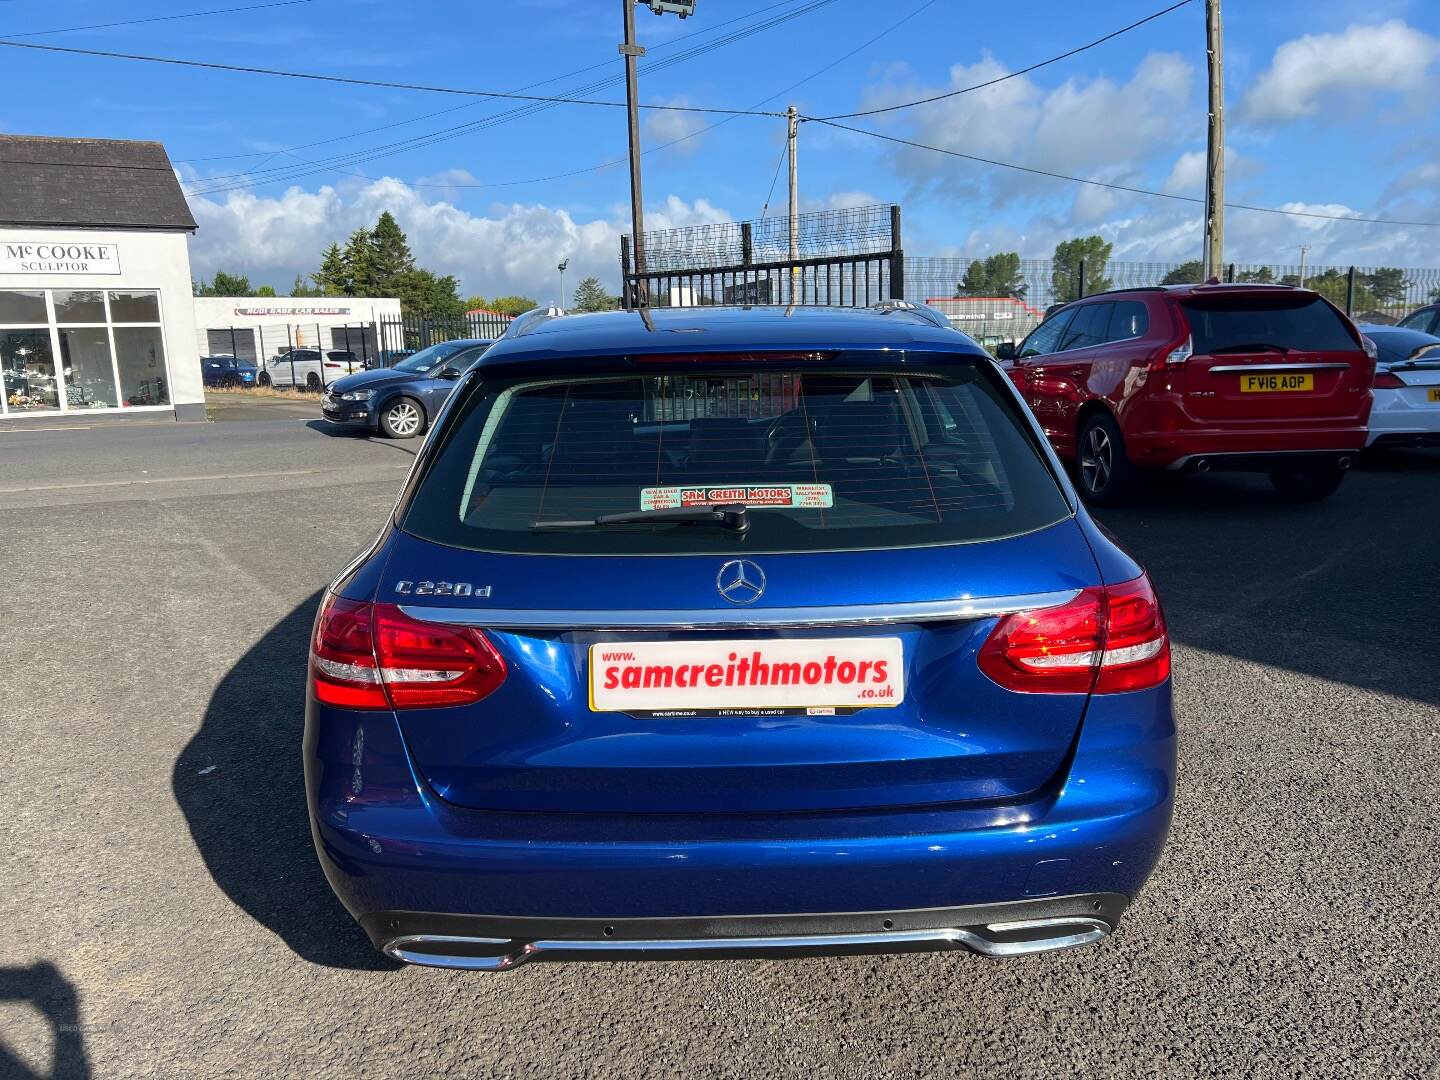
[
  {"x": 1107, "y": 640},
  {"x": 374, "y": 656}
]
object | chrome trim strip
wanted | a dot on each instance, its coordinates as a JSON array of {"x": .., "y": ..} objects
[
  {"x": 742, "y": 618},
  {"x": 1221, "y": 369},
  {"x": 1081, "y": 931},
  {"x": 1180, "y": 463}
]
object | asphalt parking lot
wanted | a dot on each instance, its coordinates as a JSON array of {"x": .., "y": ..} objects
[{"x": 165, "y": 915}]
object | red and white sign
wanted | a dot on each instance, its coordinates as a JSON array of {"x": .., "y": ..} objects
[
  {"x": 806, "y": 496},
  {"x": 817, "y": 675}
]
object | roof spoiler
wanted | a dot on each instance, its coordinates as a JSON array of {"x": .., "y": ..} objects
[
  {"x": 524, "y": 323},
  {"x": 922, "y": 311}
]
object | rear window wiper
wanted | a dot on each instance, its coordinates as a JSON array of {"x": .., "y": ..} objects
[
  {"x": 725, "y": 516},
  {"x": 1250, "y": 346}
]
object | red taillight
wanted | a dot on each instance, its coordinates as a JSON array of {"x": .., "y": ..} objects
[
  {"x": 1388, "y": 380},
  {"x": 1108, "y": 640},
  {"x": 374, "y": 656}
]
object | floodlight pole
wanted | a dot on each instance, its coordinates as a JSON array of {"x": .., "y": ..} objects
[{"x": 632, "y": 52}]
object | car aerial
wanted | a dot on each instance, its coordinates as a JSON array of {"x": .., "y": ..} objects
[
  {"x": 1407, "y": 387},
  {"x": 1425, "y": 319},
  {"x": 226, "y": 371},
  {"x": 710, "y": 631},
  {"x": 305, "y": 368},
  {"x": 1260, "y": 378},
  {"x": 400, "y": 401}
]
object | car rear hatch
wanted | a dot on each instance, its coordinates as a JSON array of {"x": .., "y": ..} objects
[
  {"x": 1273, "y": 358},
  {"x": 824, "y": 658}
]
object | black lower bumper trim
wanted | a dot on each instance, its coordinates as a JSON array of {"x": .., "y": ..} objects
[
  {"x": 1269, "y": 462},
  {"x": 500, "y": 942}
]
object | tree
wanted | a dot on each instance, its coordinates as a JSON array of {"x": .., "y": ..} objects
[
  {"x": 422, "y": 292},
  {"x": 223, "y": 284},
  {"x": 359, "y": 263},
  {"x": 512, "y": 305},
  {"x": 301, "y": 289},
  {"x": 995, "y": 275},
  {"x": 330, "y": 279},
  {"x": 1094, "y": 252},
  {"x": 1388, "y": 284},
  {"x": 266, "y": 290},
  {"x": 476, "y": 303},
  {"x": 390, "y": 257},
  {"x": 590, "y": 295},
  {"x": 1260, "y": 275},
  {"x": 1187, "y": 273}
]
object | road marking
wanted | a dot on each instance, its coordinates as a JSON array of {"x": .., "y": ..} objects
[{"x": 178, "y": 479}]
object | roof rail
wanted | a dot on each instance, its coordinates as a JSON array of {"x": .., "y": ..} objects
[
  {"x": 527, "y": 321},
  {"x": 923, "y": 311}
]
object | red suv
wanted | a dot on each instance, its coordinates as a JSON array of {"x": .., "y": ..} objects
[{"x": 1263, "y": 378}]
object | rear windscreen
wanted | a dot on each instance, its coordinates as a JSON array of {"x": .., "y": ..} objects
[
  {"x": 1283, "y": 320},
  {"x": 821, "y": 461}
]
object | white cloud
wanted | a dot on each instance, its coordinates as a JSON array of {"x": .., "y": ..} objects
[
  {"x": 1097, "y": 128},
  {"x": 1317, "y": 69},
  {"x": 682, "y": 129},
  {"x": 510, "y": 248}
]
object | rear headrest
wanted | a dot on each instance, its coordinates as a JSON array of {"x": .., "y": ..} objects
[{"x": 859, "y": 429}]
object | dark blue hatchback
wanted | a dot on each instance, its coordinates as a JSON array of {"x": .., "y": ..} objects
[
  {"x": 401, "y": 401},
  {"x": 737, "y": 632}
]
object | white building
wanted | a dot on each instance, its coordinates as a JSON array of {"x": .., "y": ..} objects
[
  {"x": 256, "y": 328},
  {"x": 95, "y": 296}
]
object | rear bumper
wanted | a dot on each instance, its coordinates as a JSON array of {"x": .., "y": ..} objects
[
  {"x": 1397, "y": 421},
  {"x": 395, "y": 851},
  {"x": 1176, "y": 449},
  {"x": 499, "y": 943},
  {"x": 1265, "y": 462}
]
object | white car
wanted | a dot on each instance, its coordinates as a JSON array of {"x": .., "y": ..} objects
[
  {"x": 1407, "y": 387},
  {"x": 305, "y": 368}
]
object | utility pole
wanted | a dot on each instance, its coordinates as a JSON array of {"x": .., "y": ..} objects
[
  {"x": 632, "y": 52},
  {"x": 564, "y": 263},
  {"x": 1215, "y": 148},
  {"x": 792, "y": 131},
  {"x": 1304, "y": 250}
]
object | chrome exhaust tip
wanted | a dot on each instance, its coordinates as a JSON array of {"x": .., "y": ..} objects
[
  {"x": 1203, "y": 465},
  {"x": 1344, "y": 463},
  {"x": 1021, "y": 938}
]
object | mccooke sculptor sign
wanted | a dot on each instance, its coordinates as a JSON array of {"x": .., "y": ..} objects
[{"x": 59, "y": 258}]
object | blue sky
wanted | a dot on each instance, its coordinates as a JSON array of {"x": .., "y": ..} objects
[{"x": 1330, "y": 106}]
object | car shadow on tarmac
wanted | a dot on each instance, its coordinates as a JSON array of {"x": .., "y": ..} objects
[
  {"x": 1336, "y": 589},
  {"x": 334, "y": 431},
  {"x": 241, "y": 786},
  {"x": 42, "y": 987}
]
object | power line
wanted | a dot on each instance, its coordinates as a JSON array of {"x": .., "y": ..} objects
[
  {"x": 710, "y": 29},
  {"x": 351, "y": 81},
  {"x": 158, "y": 18},
  {"x": 600, "y": 166},
  {"x": 1118, "y": 187},
  {"x": 1012, "y": 75},
  {"x": 302, "y": 169}
]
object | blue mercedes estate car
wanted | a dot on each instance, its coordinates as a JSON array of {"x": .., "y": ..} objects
[
  {"x": 401, "y": 401},
  {"x": 719, "y": 631}
]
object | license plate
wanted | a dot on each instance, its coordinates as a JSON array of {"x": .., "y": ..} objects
[
  {"x": 1268, "y": 384},
  {"x": 815, "y": 677},
  {"x": 1434, "y": 394}
]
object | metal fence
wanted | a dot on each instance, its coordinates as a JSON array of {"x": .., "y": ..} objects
[
  {"x": 848, "y": 257},
  {"x": 401, "y": 337},
  {"x": 1002, "y": 300}
]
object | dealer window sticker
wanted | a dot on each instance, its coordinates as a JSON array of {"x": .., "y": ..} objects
[{"x": 799, "y": 496}]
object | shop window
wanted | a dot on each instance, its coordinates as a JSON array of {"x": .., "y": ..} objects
[
  {"x": 140, "y": 358},
  {"x": 85, "y": 364},
  {"x": 28, "y": 366},
  {"x": 135, "y": 307},
  {"x": 79, "y": 306},
  {"x": 22, "y": 306}
]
